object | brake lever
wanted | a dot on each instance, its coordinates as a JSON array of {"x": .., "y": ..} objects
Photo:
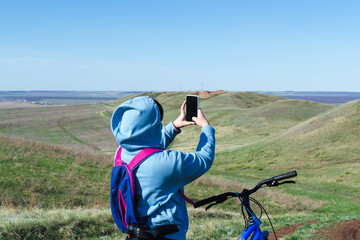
[
  {"x": 220, "y": 200},
  {"x": 276, "y": 183},
  {"x": 287, "y": 182}
]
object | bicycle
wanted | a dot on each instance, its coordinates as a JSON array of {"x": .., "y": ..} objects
[{"x": 252, "y": 229}]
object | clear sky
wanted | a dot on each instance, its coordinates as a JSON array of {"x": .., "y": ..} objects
[{"x": 167, "y": 45}]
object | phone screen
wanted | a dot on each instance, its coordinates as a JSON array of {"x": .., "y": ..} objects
[{"x": 192, "y": 102}]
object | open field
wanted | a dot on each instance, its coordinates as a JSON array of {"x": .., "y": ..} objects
[
  {"x": 56, "y": 163},
  {"x": 61, "y": 97},
  {"x": 247, "y": 117},
  {"x": 10, "y": 105},
  {"x": 86, "y": 97},
  {"x": 336, "y": 98}
]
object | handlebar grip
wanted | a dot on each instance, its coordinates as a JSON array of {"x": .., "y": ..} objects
[
  {"x": 217, "y": 198},
  {"x": 205, "y": 201},
  {"x": 284, "y": 176}
]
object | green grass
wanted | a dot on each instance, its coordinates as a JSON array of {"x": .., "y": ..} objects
[
  {"x": 239, "y": 118},
  {"x": 56, "y": 224},
  {"x": 84, "y": 223},
  {"x": 326, "y": 158},
  {"x": 36, "y": 175},
  {"x": 258, "y": 136}
]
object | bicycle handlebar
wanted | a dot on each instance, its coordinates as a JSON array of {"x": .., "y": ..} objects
[
  {"x": 218, "y": 199},
  {"x": 271, "y": 182},
  {"x": 283, "y": 176}
]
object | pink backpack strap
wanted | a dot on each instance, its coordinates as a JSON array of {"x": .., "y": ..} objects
[
  {"x": 186, "y": 198},
  {"x": 142, "y": 156},
  {"x": 118, "y": 160}
]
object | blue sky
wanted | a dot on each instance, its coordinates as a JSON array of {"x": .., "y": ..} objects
[{"x": 152, "y": 45}]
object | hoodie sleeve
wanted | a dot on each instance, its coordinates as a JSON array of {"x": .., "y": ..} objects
[
  {"x": 195, "y": 164},
  {"x": 168, "y": 134}
]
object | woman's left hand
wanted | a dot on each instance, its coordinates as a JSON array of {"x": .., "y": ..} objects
[{"x": 180, "y": 121}]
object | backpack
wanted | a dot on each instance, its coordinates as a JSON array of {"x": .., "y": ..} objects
[{"x": 122, "y": 190}]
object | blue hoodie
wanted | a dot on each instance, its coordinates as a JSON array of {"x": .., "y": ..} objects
[{"x": 136, "y": 125}]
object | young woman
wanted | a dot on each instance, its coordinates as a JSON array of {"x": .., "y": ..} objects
[{"x": 136, "y": 124}]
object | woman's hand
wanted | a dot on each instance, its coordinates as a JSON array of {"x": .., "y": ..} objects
[
  {"x": 200, "y": 120},
  {"x": 180, "y": 121}
]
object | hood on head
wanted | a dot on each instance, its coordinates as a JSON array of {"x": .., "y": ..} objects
[{"x": 136, "y": 124}]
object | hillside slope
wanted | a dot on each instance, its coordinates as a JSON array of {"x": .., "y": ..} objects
[
  {"x": 38, "y": 175},
  {"x": 332, "y": 137},
  {"x": 242, "y": 117},
  {"x": 258, "y": 136},
  {"x": 238, "y": 117},
  {"x": 324, "y": 150}
]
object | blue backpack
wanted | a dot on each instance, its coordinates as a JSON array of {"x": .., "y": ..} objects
[{"x": 123, "y": 189}]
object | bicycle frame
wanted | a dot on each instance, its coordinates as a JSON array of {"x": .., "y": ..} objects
[{"x": 252, "y": 231}]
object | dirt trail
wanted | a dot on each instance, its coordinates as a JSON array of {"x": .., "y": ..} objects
[
  {"x": 288, "y": 230},
  {"x": 72, "y": 136},
  {"x": 349, "y": 230}
]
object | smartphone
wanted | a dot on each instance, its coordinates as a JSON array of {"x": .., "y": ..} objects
[{"x": 192, "y": 107}]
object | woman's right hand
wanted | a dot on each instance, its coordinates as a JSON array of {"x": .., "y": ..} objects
[{"x": 200, "y": 120}]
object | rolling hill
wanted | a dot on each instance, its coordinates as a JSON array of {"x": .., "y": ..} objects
[
  {"x": 39, "y": 175},
  {"x": 239, "y": 118},
  {"x": 323, "y": 149},
  {"x": 60, "y": 157},
  {"x": 329, "y": 138}
]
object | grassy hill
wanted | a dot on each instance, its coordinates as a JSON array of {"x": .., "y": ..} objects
[
  {"x": 239, "y": 118},
  {"x": 323, "y": 149},
  {"x": 55, "y": 158},
  {"x": 331, "y": 138},
  {"x": 38, "y": 175}
]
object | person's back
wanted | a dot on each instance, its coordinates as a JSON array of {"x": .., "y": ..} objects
[{"x": 136, "y": 125}]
